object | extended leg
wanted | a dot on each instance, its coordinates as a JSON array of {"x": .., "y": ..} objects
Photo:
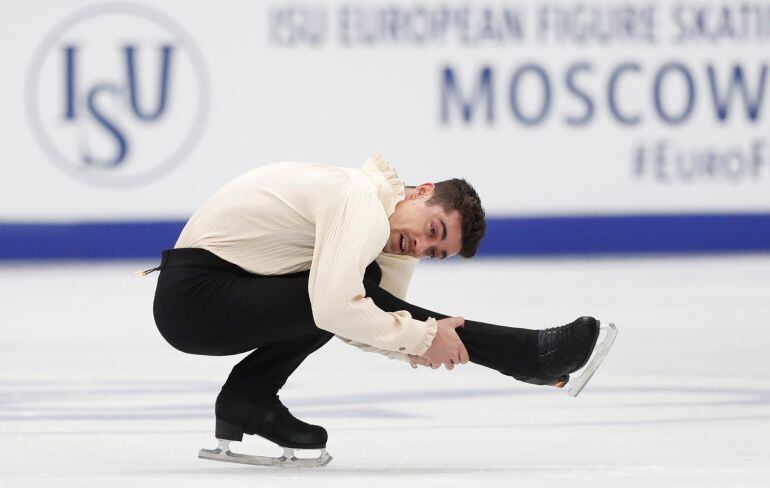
[
  {"x": 535, "y": 356},
  {"x": 509, "y": 350}
]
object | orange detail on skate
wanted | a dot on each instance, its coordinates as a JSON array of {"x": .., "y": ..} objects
[{"x": 561, "y": 382}]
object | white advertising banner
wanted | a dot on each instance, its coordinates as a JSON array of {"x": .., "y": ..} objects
[{"x": 126, "y": 111}]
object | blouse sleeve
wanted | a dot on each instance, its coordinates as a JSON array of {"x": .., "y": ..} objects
[
  {"x": 350, "y": 234},
  {"x": 388, "y": 354}
]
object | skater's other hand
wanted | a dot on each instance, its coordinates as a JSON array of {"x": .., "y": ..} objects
[
  {"x": 447, "y": 348},
  {"x": 415, "y": 360}
]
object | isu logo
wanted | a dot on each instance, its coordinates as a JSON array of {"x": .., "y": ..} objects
[{"x": 117, "y": 94}]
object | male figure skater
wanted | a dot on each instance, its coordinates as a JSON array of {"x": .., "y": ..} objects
[{"x": 290, "y": 254}]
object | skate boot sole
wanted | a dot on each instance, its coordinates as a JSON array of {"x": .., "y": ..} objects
[
  {"x": 229, "y": 431},
  {"x": 223, "y": 454},
  {"x": 576, "y": 385}
]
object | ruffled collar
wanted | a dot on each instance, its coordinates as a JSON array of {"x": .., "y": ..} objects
[{"x": 390, "y": 188}]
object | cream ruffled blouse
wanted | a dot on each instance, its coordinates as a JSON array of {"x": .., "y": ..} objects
[{"x": 288, "y": 217}]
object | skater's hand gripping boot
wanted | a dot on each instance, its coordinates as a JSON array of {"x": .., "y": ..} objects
[{"x": 447, "y": 348}]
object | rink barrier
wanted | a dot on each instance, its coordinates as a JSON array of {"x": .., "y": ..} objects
[{"x": 506, "y": 236}]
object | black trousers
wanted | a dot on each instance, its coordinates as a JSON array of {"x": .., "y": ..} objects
[{"x": 206, "y": 305}]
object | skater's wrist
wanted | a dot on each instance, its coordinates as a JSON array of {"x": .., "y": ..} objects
[
  {"x": 447, "y": 348},
  {"x": 431, "y": 328}
]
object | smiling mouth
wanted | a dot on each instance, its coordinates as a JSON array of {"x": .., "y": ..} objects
[{"x": 402, "y": 243}]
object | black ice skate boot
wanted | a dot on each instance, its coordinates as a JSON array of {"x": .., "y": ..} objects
[
  {"x": 566, "y": 349},
  {"x": 269, "y": 419}
]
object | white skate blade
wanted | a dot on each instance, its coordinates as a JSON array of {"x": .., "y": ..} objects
[
  {"x": 576, "y": 385},
  {"x": 288, "y": 460}
]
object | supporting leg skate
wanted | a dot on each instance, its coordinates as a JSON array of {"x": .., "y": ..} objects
[
  {"x": 576, "y": 385},
  {"x": 271, "y": 420},
  {"x": 288, "y": 460}
]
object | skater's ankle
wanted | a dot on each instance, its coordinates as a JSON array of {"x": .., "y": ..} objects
[{"x": 262, "y": 397}]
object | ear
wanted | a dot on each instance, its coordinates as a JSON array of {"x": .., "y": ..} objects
[{"x": 425, "y": 189}]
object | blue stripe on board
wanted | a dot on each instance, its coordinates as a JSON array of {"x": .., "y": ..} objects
[
  {"x": 628, "y": 234},
  {"x": 514, "y": 236},
  {"x": 92, "y": 240}
]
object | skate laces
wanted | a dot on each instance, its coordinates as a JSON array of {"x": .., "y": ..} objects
[{"x": 551, "y": 339}]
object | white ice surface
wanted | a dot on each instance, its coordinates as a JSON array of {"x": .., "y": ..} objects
[{"x": 91, "y": 395}]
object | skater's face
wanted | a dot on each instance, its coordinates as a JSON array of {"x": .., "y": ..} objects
[{"x": 421, "y": 230}]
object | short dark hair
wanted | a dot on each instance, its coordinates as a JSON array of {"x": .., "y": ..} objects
[{"x": 458, "y": 194}]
